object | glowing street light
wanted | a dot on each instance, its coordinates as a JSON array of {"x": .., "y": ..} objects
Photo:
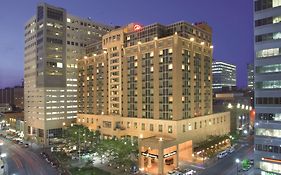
[
  {"x": 4, "y": 155},
  {"x": 238, "y": 105}
]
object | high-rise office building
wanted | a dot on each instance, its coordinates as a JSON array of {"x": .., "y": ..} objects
[
  {"x": 250, "y": 76},
  {"x": 54, "y": 40},
  {"x": 153, "y": 83},
  {"x": 224, "y": 75},
  {"x": 267, "y": 31}
]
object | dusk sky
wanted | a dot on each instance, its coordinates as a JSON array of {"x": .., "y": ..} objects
[{"x": 232, "y": 23}]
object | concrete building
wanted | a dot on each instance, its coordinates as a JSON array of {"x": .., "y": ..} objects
[
  {"x": 224, "y": 75},
  {"x": 54, "y": 40},
  {"x": 267, "y": 31},
  {"x": 250, "y": 77},
  {"x": 238, "y": 103},
  {"x": 12, "y": 96},
  {"x": 153, "y": 84}
]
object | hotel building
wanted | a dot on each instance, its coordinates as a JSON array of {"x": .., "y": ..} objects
[
  {"x": 54, "y": 40},
  {"x": 267, "y": 33},
  {"x": 153, "y": 84}
]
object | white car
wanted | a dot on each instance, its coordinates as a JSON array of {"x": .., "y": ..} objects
[
  {"x": 231, "y": 149},
  {"x": 189, "y": 172},
  {"x": 222, "y": 154}
]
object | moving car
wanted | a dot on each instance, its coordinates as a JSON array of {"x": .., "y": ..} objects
[{"x": 222, "y": 154}]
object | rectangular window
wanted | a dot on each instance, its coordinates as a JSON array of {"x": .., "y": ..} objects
[
  {"x": 160, "y": 128},
  {"x": 170, "y": 129},
  {"x": 268, "y": 52},
  {"x": 143, "y": 126},
  {"x": 151, "y": 127}
]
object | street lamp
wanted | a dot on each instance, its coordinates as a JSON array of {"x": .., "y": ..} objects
[
  {"x": 237, "y": 162},
  {"x": 63, "y": 129},
  {"x": 229, "y": 106}
]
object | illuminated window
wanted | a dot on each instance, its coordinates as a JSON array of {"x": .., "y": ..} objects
[
  {"x": 170, "y": 66},
  {"x": 59, "y": 65},
  {"x": 274, "y": 84},
  {"x": 271, "y": 167},
  {"x": 268, "y": 132},
  {"x": 276, "y": 19},
  {"x": 276, "y": 3},
  {"x": 268, "y": 52},
  {"x": 170, "y": 129},
  {"x": 269, "y": 68},
  {"x": 189, "y": 127}
]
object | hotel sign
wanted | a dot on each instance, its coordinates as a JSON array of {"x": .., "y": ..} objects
[
  {"x": 170, "y": 154},
  {"x": 146, "y": 154}
]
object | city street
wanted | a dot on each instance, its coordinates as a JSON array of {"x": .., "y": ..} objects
[
  {"x": 227, "y": 165},
  {"x": 23, "y": 161}
]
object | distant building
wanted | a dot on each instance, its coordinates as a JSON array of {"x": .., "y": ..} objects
[
  {"x": 5, "y": 107},
  {"x": 250, "y": 76},
  {"x": 54, "y": 39},
  {"x": 152, "y": 84},
  {"x": 224, "y": 75},
  {"x": 238, "y": 103},
  {"x": 13, "y": 96}
]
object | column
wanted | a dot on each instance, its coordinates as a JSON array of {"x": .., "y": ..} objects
[
  {"x": 141, "y": 158},
  {"x": 177, "y": 156},
  {"x": 160, "y": 161},
  {"x": 149, "y": 162}
]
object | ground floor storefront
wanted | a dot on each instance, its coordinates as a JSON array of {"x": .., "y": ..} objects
[{"x": 159, "y": 155}]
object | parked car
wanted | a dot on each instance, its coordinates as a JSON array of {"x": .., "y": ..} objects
[
  {"x": 251, "y": 162},
  {"x": 189, "y": 172},
  {"x": 222, "y": 154},
  {"x": 47, "y": 160},
  {"x": 231, "y": 149}
]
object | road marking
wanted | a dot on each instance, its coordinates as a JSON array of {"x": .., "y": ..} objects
[{"x": 199, "y": 167}]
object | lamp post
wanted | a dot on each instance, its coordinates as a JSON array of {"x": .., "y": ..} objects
[
  {"x": 237, "y": 162},
  {"x": 63, "y": 129}
]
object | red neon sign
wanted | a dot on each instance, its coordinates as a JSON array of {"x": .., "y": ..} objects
[{"x": 137, "y": 27}]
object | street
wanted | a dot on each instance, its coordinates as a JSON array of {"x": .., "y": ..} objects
[
  {"x": 24, "y": 161},
  {"x": 227, "y": 165}
]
